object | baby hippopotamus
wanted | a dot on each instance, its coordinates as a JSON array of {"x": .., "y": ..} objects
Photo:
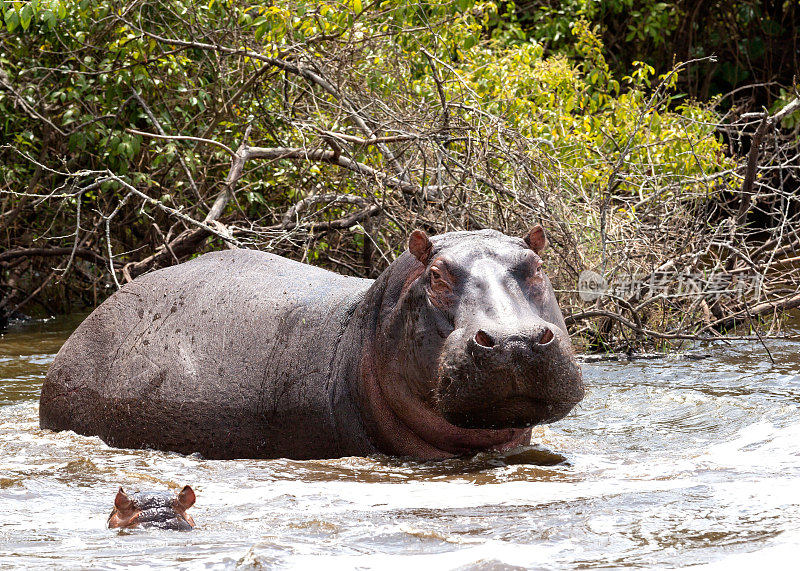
[{"x": 153, "y": 509}]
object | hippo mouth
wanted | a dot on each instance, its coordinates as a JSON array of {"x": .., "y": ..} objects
[{"x": 517, "y": 411}]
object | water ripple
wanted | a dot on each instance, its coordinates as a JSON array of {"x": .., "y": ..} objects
[{"x": 666, "y": 463}]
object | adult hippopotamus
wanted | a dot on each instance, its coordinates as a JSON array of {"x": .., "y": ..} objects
[{"x": 458, "y": 346}]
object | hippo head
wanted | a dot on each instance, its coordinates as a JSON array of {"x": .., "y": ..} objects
[
  {"x": 153, "y": 509},
  {"x": 478, "y": 339}
]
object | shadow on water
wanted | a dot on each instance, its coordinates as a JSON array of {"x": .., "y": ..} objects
[
  {"x": 478, "y": 468},
  {"x": 667, "y": 462}
]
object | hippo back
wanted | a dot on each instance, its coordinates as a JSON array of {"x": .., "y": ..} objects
[{"x": 232, "y": 354}]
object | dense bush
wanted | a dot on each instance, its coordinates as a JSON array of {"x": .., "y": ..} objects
[
  {"x": 372, "y": 118},
  {"x": 755, "y": 43}
]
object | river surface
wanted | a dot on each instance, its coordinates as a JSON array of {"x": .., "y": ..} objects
[{"x": 666, "y": 463}]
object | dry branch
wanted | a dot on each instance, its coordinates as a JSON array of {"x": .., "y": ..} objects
[
  {"x": 52, "y": 253},
  {"x": 363, "y": 167}
]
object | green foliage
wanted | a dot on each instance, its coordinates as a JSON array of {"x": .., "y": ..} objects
[
  {"x": 580, "y": 109},
  {"x": 749, "y": 38},
  {"x": 83, "y": 69},
  {"x": 41, "y": 14},
  {"x": 576, "y": 103}
]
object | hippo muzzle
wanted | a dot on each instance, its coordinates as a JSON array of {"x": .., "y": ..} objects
[{"x": 508, "y": 377}]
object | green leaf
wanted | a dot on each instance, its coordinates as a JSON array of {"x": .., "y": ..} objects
[
  {"x": 26, "y": 15},
  {"x": 261, "y": 30},
  {"x": 12, "y": 21},
  {"x": 49, "y": 18}
]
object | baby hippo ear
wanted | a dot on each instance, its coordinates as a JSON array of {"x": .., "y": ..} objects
[
  {"x": 122, "y": 502},
  {"x": 186, "y": 497},
  {"x": 420, "y": 245},
  {"x": 536, "y": 239}
]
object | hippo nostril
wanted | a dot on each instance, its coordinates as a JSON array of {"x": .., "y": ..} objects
[
  {"x": 546, "y": 337},
  {"x": 484, "y": 339}
]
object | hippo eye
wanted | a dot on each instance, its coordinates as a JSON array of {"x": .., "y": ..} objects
[
  {"x": 439, "y": 280},
  {"x": 535, "y": 279},
  {"x": 530, "y": 270}
]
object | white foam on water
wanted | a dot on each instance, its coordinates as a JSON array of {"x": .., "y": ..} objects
[
  {"x": 488, "y": 553},
  {"x": 782, "y": 552},
  {"x": 664, "y": 474}
]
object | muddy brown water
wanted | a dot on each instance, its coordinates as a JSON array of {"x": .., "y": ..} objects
[{"x": 667, "y": 463}]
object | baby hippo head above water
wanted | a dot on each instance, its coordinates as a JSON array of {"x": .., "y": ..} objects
[{"x": 153, "y": 509}]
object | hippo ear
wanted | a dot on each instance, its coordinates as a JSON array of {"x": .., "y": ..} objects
[
  {"x": 186, "y": 497},
  {"x": 122, "y": 502},
  {"x": 536, "y": 239},
  {"x": 420, "y": 245}
]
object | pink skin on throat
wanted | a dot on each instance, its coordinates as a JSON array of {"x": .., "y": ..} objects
[{"x": 410, "y": 427}]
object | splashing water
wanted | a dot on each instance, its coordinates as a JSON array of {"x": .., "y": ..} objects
[{"x": 668, "y": 463}]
